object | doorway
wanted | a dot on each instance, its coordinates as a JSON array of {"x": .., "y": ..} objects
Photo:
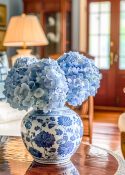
[{"x": 106, "y": 41}]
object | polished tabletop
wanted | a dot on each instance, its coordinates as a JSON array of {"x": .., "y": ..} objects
[{"x": 88, "y": 160}]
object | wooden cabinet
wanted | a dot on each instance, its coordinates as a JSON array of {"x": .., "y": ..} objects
[{"x": 55, "y": 18}]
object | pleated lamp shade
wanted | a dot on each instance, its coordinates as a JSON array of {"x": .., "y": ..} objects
[{"x": 24, "y": 30}]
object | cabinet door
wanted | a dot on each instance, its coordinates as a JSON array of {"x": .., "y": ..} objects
[
  {"x": 68, "y": 31},
  {"x": 52, "y": 27},
  {"x": 58, "y": 31}
]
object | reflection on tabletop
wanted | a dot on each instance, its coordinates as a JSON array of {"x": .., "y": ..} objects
[
  {"x": 64, "y": 169},
  {"x": 15, "y": 160},
  {"x": 14, "y": 156},
  {"x": 19, "y": 159}
]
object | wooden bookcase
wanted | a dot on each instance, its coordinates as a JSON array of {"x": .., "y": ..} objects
[{"x": 55, "y": 18}]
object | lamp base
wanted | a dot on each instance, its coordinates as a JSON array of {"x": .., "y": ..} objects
[{"x": 20, "y": 53}]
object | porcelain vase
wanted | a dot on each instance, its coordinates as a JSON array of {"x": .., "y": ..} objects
[{"x": 53, "y": 137}]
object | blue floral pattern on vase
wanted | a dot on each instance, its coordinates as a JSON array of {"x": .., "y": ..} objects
[
  {"x": 65, "y": 121},
  {"x": 52, "y": 137},
  {"x": 35, "y": 152},
  {"x": 44, "y": 139},
  {"x": 65, "y": 148}
]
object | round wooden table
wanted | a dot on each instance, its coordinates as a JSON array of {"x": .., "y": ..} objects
[{"x": 88, "y": 160}]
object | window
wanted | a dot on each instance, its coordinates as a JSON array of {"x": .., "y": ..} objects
[{"x": 99, "y": 33}]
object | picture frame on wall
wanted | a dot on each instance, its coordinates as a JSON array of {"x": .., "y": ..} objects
[
  {"x": 2, "y": 34},
  {"x": 3, "y": 15}
]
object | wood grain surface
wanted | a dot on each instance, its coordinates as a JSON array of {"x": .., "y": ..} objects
[{"x": 88, "y": 160}]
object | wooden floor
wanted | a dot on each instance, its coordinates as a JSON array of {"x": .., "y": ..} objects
[{"x": 105, "y": 130}]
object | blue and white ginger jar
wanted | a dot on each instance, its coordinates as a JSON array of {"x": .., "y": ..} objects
[{"x": 52, "y": 137}]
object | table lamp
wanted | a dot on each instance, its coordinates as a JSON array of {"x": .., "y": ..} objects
[{"x": 24, "y": 31}]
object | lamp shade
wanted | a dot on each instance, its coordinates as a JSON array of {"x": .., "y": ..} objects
[{"x": 24, "y": 30}]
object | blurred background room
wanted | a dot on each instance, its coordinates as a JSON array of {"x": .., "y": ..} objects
[{"x": 95, "y": 28}]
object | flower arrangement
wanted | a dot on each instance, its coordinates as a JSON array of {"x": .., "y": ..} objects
[
  {"x": 83, "y": 77},
  {"x": 47, "y": 84}
]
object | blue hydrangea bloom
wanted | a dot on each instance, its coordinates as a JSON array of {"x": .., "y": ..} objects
[
  {"x": 25, "y": 61},
  {"x": 83, "y": 77},
  {"x": 44, "y": 139},
  {"x": 47, "y": 84},
  {"x": 15, "y": 90},
  {"x": 38, "y": 84}
]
